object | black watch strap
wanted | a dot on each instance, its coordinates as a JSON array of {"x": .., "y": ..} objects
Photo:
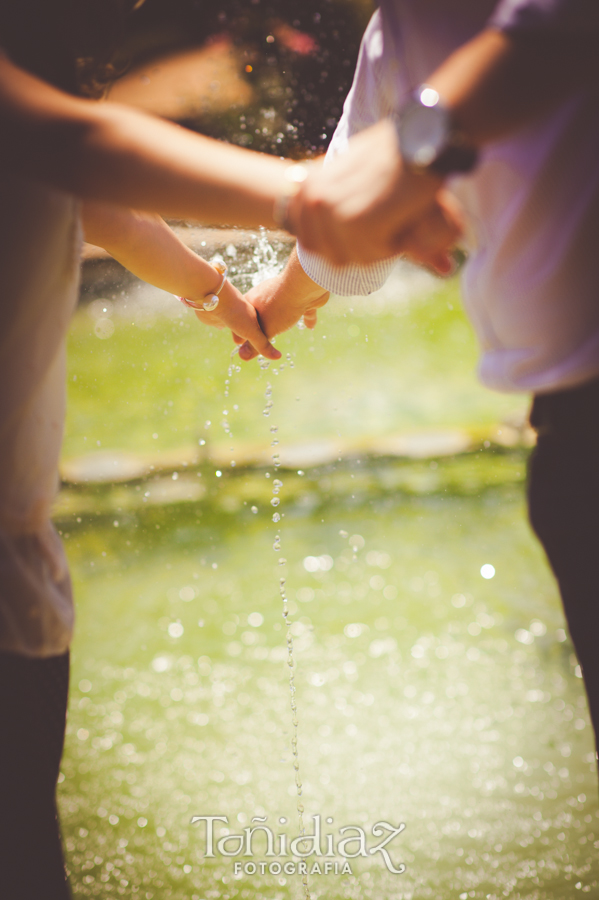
[{"x": 455, "y": 158}]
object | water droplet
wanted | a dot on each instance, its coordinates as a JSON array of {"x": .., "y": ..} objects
[
  {"x": 254, "y": 509},
  {"x": 277, "y": 484},
  {"x": 276, "y": 545},
  {"x": 275, "y": 501},
  {"x": 282, "y": 561},
  {"x": 274, "y": 429},
  {"x": 276, "y": 517}
]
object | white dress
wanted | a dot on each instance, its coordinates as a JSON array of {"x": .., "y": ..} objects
[{"x": 40, "y": 240}]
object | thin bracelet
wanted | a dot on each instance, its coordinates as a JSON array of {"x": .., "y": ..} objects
[
  {"x": 212, "y": 299},
  {"x": 295, "y": 175}
]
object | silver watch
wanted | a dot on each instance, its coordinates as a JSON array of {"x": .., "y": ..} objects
[{"x": 428, "y": 140}]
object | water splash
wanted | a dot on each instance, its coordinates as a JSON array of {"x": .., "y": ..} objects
[{"x": 265, "y": 259}]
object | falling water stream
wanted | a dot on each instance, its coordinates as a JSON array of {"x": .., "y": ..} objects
[
  {"x": 276, "y": 517},
  {"x": 267, "y": 265}
]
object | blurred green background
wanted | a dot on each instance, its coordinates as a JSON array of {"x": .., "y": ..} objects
[
  {"x": 427, "y": 694},
  {"x": 375, "y": 366}
]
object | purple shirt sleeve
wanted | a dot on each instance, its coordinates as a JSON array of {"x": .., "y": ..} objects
[{"x": 546, "y": 15}]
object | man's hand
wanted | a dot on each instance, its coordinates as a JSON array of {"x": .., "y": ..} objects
[
  {"x": 360, "y": 206},
  {"x": 281, "y": 301}
]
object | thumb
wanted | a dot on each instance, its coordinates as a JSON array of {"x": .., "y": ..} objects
[
  {"x": 310, "y": 318},
  {"x": 247, "y": 352}
]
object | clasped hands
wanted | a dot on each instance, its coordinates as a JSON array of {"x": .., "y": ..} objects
[{"x": 364, "y": 206}]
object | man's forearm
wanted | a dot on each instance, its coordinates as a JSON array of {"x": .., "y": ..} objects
[{"x": 499, "y": 81}]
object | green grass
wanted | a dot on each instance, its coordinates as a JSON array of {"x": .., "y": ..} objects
[{"x": 355, "y": 375}]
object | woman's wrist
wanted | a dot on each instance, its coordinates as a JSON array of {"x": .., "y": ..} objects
[{"x": 205, "y": 295}]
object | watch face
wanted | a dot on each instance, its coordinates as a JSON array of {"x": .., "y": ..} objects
[{"x": 423, "y": 133}]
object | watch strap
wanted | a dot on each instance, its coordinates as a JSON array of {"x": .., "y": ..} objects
[{"x": 456, "y": 158}]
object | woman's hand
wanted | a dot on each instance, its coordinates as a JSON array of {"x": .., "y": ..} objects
[
  {"x": 430, "y": 240},
  {"x": 236, "y": 312}
]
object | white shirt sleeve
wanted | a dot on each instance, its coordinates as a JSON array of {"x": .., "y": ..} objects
[{"x": 372, "y": 97}]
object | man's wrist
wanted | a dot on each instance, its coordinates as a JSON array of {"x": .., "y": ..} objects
[{"x": 429, "y": 140}]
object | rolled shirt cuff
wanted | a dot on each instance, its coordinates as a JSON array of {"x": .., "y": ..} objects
[{"x": 346, "y": 281}]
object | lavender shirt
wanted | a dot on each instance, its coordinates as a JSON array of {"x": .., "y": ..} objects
[
  {"x": 531, "y": 284},
  {"x": 563, "y": 15}
]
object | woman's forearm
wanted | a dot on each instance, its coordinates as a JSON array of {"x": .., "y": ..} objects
[
  {"x": 144, "y": 244},
  {"x": 107, "y": 152}
]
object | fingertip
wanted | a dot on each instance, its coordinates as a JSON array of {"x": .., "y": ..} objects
[{"x": 444, "y": 265}]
